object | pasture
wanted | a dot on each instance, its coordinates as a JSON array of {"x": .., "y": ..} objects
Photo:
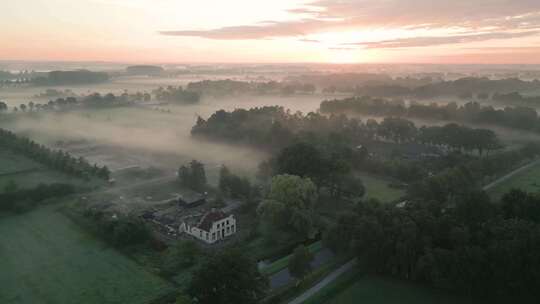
[
  {"x": 352, "y": 287},
  {"x": 45, "y": 258},
  {"x": 527, "y": 180},
  {"x": 378, "y": 290},
  {"x": 27, "y": 173},
  {"x": 378, "y": 188}
]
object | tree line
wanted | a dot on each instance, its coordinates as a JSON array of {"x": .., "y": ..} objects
[
  {"x": 518, "y": 117},
  {"x": 55, "y": 159},
  {"x": 14, "y": 199},
  {"x": 228, "y": 87}
]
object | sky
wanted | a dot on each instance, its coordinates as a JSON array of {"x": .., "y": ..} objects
[{"x": 272, "y": 31}]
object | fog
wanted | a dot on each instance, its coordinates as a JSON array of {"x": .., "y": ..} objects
[{"x": 157, "y": 136}]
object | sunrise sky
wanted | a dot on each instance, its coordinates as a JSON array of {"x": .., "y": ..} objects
[{"x": 347, "y": 31}]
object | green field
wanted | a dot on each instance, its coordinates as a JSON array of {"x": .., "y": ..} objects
[
  {"x": 27, "y": 173},
  {"x": 375, "y": 290},
  {"x": 352, "y": 288},
  {"x": 378, "y": 188},
  {"x": 45, "y": 258},
  {"x": 527, "y": 180}
]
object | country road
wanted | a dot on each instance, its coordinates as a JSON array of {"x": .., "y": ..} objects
[
  {"x": 509, "y": 175},
  {"x": 327, "y": 280}
]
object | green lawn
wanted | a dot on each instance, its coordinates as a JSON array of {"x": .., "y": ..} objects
[
  {"x": 527, "y": 180},
  {"x": 45, "y": 258},
  {"x": 352, "y": 288},
  {"x": 378, "y": 188},
  {"x": 27, "y": 173},
  {"x": 375, "y": 290}
]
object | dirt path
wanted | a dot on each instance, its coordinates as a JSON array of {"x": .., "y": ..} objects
[{"x": 509, "y": 175}]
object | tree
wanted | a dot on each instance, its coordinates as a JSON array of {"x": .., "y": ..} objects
[
  {"x": 290, "y": 204},
  {"x": 233, "y": 185},
  {"x": 194, "y": 176},
  {"x": 183, "y": 254},
  {"x": 11, "y": 186},
  {"x": 183, "y": 299},
  {"x": 301, "y": 159},
  {"x": 229, "y": 276},
  {"x": 300, "y": 262}
]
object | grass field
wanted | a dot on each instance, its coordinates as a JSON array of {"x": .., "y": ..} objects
[
  {"x": 27, "y": 173},
  {"x": 352, "y": 288},
  {"x": 378, "y": 188},
  {"x": 527, "y": 180},
  {"x": 45, "y": 258}
]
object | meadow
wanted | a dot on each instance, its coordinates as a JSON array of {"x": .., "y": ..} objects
[
  {"x": 27, "y": 173},
  {"x": 378, "y": 188},
  {"x": 352, "y": 287},
  {"x": 527, "y": 180},
  {"x": 45, "y": 258}
]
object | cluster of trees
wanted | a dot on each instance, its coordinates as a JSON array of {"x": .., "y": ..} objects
[
  {"x": 233, "y": 185},
  {"x": 514, "y": 117},
  {"x": 227, "y": 276},
  {"x": 274, "y": 128},
  {"x": 58, "y": 160},
  {"x": 516, "y": 98},
  {"x": 177, "y": 94},
  {"x": 328, "y": 163},
  {"x": 290, "y": 206},
  {"x": 120, "y": 231},
  {"x": 228, "y": 87},
  {"x": 193, "y": 176},
  {"x": 466, "y": 244},
  {"x": 14, "y": 199},
  {"x": 95, "y": 100},
  {"x": 460, "y": 138},
  {"x": 71, "y": 77},
  {"x": 3, "y": 107}
]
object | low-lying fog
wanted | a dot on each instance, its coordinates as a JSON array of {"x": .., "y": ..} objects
[{"x": 150, "y": 135}]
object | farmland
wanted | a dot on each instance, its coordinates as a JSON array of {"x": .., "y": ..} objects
[
  {"x": 45, "y": 258},
  {"x": 352, "y": 286},
  {"x": 379, "y": 188},
  {"x": 27, "y": 173},
  {"x": 527, "y": 180}
]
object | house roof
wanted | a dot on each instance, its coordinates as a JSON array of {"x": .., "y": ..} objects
[
  {"x": 209, "y": 218},
  {"x": 190, "y": 197}
]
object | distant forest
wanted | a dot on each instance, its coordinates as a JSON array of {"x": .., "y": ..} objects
[
  {"x": 522, "y": 118},
  {"x": 71, "y": 77}
]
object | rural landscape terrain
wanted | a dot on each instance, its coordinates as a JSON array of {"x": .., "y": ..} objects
[{"x": 321, "y": 152}]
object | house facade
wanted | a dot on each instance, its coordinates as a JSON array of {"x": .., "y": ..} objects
[{"x": 212, "y": 227}]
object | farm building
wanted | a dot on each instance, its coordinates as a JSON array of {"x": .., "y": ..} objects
[
  {"x": 191, "y": 199},
  {"x": 212, "y": 227}
]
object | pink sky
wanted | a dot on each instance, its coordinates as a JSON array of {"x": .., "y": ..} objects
[{"x": 356, "y": 31}]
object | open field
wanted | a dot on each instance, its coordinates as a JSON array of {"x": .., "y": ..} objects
[
  {"x": 45, "y": 258},
  {"x": 527, "y": 180},
  {"x": 378, "y": 188},
  {"x": 351, "y": 287},
  {"x": 27, "y": 173}
]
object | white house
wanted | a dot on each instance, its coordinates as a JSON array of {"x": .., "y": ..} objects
[{"x": 212, "y": 227}]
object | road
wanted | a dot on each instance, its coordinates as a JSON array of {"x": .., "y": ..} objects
[
  {"x": 509, "y": 175},
  {"x": 283, "y": 277},
  {"x": 327, "y": 280}
]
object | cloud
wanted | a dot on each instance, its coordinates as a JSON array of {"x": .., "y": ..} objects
[
  {"x": 496, "y": 17},
  {"x": 442, "y": 40}
]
